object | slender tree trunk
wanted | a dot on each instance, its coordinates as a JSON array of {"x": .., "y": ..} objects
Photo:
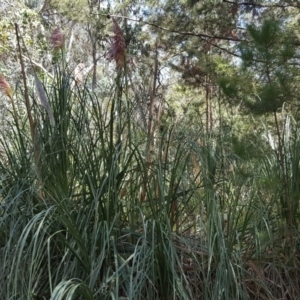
[
  {"x": 287, "y": 210},
  {"x": 94, "y": 81},
  {"x": 149, "y": 144},
  {"x": 208, "y": 110}
]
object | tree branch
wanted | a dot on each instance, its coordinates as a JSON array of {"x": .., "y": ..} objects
[
  {"x": 202, "y": 35},
  {"x": 38, "y": 65},
  {"x": 261, "y": 5}
]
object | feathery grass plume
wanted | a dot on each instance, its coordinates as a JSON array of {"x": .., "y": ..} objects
[
  {"x": 5, "y": 87},
  {"x": 43, "y": 99},
  {"x": 117, "y": 51},
  {"x": 57, "y": 39},
  {"x": 78, "y": 73},
  {"x": 7, "y": 90}
]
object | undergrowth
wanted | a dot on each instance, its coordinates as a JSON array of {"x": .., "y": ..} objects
[{"x": 96, "y": 206}]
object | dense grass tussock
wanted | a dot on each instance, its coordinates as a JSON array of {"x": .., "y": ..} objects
[{"x": 96, "y": 206}]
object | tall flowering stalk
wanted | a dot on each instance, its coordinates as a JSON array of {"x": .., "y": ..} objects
[
  {"x": 57, "y": 40},
  {"x": 6, "y": 89},
  {"x": 117, "y": 51},
  {"x": 31, "y": 120}
]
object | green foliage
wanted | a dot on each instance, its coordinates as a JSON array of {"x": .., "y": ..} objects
[
  {"x": 175, "y": 176},
  {"x": 269, "y": 55},
  {"x": 75, "y": 11}
]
